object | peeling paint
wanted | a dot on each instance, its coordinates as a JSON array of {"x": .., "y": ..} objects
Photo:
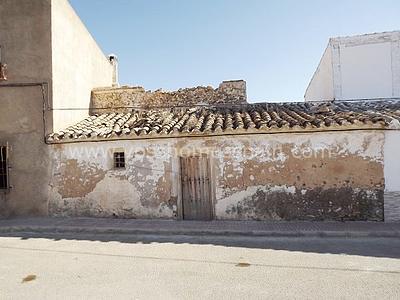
[
  {"x": 79, "y": 179},
  {"x": 89, "y": 185},
  {"x": 316, "y": 176}
]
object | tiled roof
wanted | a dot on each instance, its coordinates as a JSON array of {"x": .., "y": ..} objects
[{"x": 243, "y": 119}]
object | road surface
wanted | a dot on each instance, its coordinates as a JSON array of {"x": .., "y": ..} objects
[{"x": 82, "y": 266}]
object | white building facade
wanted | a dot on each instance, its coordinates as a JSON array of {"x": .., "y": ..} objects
[
  {"x": 365, "y": 67},
  {"x": 358, "y": 67}
]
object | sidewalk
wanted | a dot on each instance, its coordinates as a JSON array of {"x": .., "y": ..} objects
[{"x": 215, "y": 228}]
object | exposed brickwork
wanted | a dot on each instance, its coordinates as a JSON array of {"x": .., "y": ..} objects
[{"x": 123, "y": 98}]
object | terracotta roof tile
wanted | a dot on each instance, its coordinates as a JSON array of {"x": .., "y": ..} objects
[{"x": 250, "y": 118}]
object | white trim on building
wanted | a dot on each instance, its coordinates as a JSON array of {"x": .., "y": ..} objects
[{"x": 358, "y": 67}]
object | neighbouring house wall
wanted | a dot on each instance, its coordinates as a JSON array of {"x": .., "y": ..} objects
[
  {"x": 79, "y": 65},
  {"x": 310, "y": 176},
  {"x": 25, "y": 39},
  {"x": 361, "y": 67},
  {"x": 321, "y": 84},
  {"x": 366, "y": 71},
  {"x": 124, "y": 98},
  {"x": 43, "y": 44},
  {"x": 392, "y": 176}
]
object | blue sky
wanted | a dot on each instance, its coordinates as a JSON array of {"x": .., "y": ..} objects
[{"x": 274, "y": 45}]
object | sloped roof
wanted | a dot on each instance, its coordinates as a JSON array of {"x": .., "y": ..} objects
[{"x": 240, "y": 119}]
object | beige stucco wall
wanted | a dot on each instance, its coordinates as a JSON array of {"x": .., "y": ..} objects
[
  {"x": 268, "y": 177},
  {"x": 26, "y": 49},
  {"x": 44, "y": 44},
  {"x": 78, "y": 65}
]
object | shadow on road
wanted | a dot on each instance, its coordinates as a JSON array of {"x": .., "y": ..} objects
[{"x": 372, "y": 247}]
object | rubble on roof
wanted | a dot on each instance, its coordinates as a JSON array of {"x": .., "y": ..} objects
[{"x": 123, "y": 99}]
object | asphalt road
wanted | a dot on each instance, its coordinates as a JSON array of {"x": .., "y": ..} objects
[{"x": 168, "y": 267}]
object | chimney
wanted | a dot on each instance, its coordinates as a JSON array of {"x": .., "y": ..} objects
[
  {"x": 114, "y": 62},
  {"x": 235, "y": 89}
]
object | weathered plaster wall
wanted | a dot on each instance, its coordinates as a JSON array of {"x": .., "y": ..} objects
[
  {"x": 392, "y": 176},
  {"x": 124, "y": 98},
  {"x": 329, "y": 176},
  {"x": 85, "y": 182},
  {"x": 316, "y": 176},
  {"x": 78, "y": 65},
  {"x": 26, "y": 49}
]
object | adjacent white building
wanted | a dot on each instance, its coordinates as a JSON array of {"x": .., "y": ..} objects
[
  {"x": 358, "y": 67},
  {"x": 365, "y": 67}
]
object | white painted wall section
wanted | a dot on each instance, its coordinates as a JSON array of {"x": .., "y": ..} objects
[
  {"x": 321, "y": 85},
  {"x": 366, "y": 71},
  {"x": 358, "y": 67},
  {"x": 392, "y": 176}
]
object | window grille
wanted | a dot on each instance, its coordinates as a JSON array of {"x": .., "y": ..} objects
[
  {"x": 119, "y": 160},
  {"x": 4, "y": 168},
  {"x": 3, "y": 67}
]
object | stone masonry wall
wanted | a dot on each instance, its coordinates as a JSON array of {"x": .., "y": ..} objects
[
  {"x": 310, "y": 176},
  {"x": 122, "y": 99}
]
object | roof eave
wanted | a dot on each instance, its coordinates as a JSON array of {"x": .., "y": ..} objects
[{"x": 250, "y": 131}]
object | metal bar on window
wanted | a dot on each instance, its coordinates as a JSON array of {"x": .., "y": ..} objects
[
  {"x": 119, "y": 160},
  {"x": 4, "y": 176}
]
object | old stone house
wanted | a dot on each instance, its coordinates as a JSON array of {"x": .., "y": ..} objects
[
  {"x": 197, "y": 153},
  {"x": 224, "y": 159}
]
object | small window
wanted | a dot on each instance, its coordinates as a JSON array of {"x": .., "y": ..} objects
[
  {"x": 3, "y": 168},
  {"x": 119, "y": 160}
]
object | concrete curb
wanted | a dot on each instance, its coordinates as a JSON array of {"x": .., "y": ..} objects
[{"x": 199, "y": 232}]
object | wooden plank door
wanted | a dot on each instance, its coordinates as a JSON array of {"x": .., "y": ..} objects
[{"x": 196, "y": 200}]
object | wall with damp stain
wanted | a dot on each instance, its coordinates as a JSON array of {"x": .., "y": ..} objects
[{"x": 310, "y": 176}]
